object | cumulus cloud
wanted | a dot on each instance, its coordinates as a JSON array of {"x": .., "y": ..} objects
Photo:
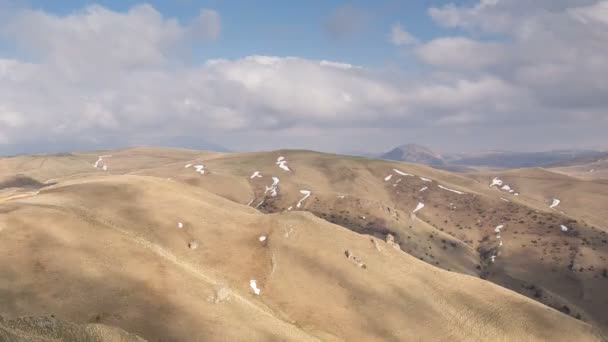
[
  {"x": 552, "y": 51},
  {"x": 399, "y": 36},
  {"x": 99, "y": 78},
  {"x": 461, "y": 52}
]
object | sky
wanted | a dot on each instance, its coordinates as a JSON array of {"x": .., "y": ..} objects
[{"x": 337, "y": 76}]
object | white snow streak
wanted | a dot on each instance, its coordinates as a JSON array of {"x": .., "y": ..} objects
[
  {"x": 418, "y": 207},
  {"x": 254, "y": 286},
  {"x": 273, "y": 188},
  {"x": 564, "y": 228},
  {"x": 452, "y": 190},
  {"x": 387, "y": 178},
  {"x": 282, "y": 163},
  {"x": 425, "y": 179},
  {"x": 402, "y": 173},
  {"x": 99, "y": 159},
  {"x": 496, "y": 181},
  {"x": 555, "y": 203},
  {"x": 424, "y": 189},
  {"x": 306, "y": 193},
  {"x": 256, "y": 175}
]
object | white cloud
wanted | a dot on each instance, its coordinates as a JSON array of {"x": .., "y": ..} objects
[
  {"x": 461, "y": 52},
  {"x": 208, "y": 24},
  {"x": 596, "y": 12},
  {"x": 399, "y": 36},
  {"x": 98, "y": 77}
]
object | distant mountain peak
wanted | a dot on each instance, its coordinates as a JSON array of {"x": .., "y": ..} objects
[{"x": 414, "y": 153}]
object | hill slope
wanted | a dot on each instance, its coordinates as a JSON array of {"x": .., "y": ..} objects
[{"x": 309, "y": 270}]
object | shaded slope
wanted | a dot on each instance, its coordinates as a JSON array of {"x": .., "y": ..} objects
[{"x": 152, "y": 284}]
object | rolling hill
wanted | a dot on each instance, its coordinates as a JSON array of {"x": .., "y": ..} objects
[{"x": 176, "y": 244}]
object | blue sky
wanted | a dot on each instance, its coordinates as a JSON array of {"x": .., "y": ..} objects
[
  {"x": 292, "y": 28},
  {"x": 336, "y": 76}
]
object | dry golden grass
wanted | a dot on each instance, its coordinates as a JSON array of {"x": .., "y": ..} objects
[{"x": 104, "y": 247}]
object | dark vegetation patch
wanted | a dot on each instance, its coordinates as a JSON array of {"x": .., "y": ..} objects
[{"x": 21, "y": 181}]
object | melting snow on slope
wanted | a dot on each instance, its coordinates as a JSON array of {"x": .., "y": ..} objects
[
  {"x": 425, "y": 179},
  {"x": 99, "y": 159},
  {"x": 402, "y": 173},
  {"x": 452, "y": 190},
  {"x": 555, "y": 203},
  {"x": 254, "y": 286},
  {"x": 200, "y": 169},
  {"x": 418, "y": 207},
  {"x": 424, "y": 189},
  {"x": 262, "y": 238},
  {"x": 564, "y": 228},
  {"x": 387, "y": 178},
  {"x": 506, "y": 187},
  {"x": 498, "y": 228},
  {"x": 496, "y": 181},
  {"x": 256, "y": 175},
  {"x": 273, "y": 188},
  {"x": 282, "y": 163},
  {"x": 306, "y": 193},
  {"x": 180, "y": 225}
]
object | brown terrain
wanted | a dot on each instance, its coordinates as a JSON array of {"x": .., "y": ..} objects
[{"x": 172, "y": 245}]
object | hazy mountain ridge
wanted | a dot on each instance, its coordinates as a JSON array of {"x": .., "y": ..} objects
[{"x": 414, "y": 153}]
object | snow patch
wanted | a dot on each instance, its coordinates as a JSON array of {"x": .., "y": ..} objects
[
  {"x": 496, "y": 181},
  {"x": 506, "y": 187},
  {"x": 200, "y": 169},
  {"x": 256, "y": 175},
  {"x": 493, "y": 258},
  {"x": 498, "y": 228},
  {"x": 254, "y": 286},
  {"x": 248, "y": 204},
  {"x": 105, "y": 167},
  {"x": 262, "y": 238},
  {"x": 555, "y": 203},
  {"x": 425, "y": 179},
  {"x": 306, "y": 193},
  {"x": 273, "y": 188},
  {"x": 180, "y": 225},
  {"x": 99, "y": 159},
  {"x": 424, "y": 189},
  {"x": 187, "y": 166},
  {"x": 282, "y": 163},
  {"x": 402, "y": 173},
  {"x": 504, "y": 199},
  {"x": 564, "y": 228},
  {"x": 387, "y": 178},
  {"x": 418, "y": 207},
  {"x": 341, "y": 196},
  {"x": 452, "y": 190}
]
